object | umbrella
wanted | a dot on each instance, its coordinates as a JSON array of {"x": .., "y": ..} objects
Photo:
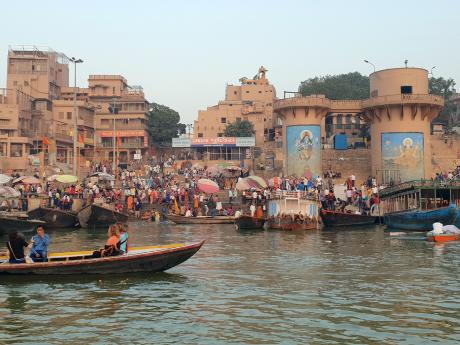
[
  {"x": 4, "y": 178},
  {"x": 67, "y": 178},
  {"x": 207, "y": 186},
  {"x": 257, "y": 182},
  {"x": 52, "y": 178},
  {"x": 233, "y": 168},
  {"x": 308, "y": 174},
  {"x": 103, "y": 176},
  {"x": 27, "y": 180},
  {"x": 9, "y": 193},
  {"x": 213, "y": 171},
  {"x": 242, "y": 184}
]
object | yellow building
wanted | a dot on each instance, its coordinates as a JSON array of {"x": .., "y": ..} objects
[{"x": 251, "y": 100}]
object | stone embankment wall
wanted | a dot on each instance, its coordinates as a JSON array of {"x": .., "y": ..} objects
[
  {"x": 445, "y": 152},
  {"x": 348, "y": 162}
]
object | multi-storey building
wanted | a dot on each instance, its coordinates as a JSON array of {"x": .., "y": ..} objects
[
  {"x": 130, "y": 121},
  {"x": 251, "y": 100},
  {"x": 47, "y": 133}
]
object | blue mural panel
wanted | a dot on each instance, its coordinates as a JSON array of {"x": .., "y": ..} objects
[
  {"x": 303, "y": 150},
  {"x": 404, "y": 152}
]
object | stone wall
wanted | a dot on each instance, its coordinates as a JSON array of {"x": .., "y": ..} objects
[{"x": 348, "y": 162}]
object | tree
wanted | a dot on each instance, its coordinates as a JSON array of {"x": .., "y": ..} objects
[
  {"x": 242, "y": 128},
  {"x": 164, "y": 123},
  {"x": 445, "y": 88},
  {"x": 352, "y": 85}
]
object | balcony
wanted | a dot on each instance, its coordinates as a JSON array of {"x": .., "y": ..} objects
[
  {"x": 350, "y": 129},
  {"x": 423, "y": 99},
  {"x": 302, "y": 102}
]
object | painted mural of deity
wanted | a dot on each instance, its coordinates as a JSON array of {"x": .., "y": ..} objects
[
  {"x": 404, "y": 152},
  {"x": 303, "y": 150}
]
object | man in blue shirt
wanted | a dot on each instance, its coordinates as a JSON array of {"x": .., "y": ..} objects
[{"x": 40, "y": 243}]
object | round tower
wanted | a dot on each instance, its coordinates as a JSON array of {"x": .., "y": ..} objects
[
  {"x": 400, "y": 111},
  {"x": 302, "y": 118}
]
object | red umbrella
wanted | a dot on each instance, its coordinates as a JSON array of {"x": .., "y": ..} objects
[
  {"x": 207, "y": 186},
  {"x": 257, "y": 182}
]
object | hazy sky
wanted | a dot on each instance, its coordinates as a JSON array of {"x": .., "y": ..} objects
[{"x": 184, "y": 52}]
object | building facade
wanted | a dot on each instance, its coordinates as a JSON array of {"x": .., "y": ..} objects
[{"x": 251, "y": 100}]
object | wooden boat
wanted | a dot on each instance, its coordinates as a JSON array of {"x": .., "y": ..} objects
[
  {"x": 200, "y": 219},
  {"x": 54, "y": 218},
  {"x": 293, "y": 213},
  {"x": 141, "y": 259},
  {"x": 441, "y": 238},
  {"x": 335, "y": 218},
  {"x": 277, "y": 223},
  {"x": 249, "y": 223},
  {"x": 419, "y": 220},
  {"x": 416, "y": 205},
  {"x": 9, "y": 223},
  {"x": 96, "y": 216}
]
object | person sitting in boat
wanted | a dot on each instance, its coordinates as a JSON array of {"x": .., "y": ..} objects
[
  {"x": 40, "y": 243},
  {"x": 122, "y": 245},
  {"x": 111, "y": 246},
  {"x": 15, "y": 246}
]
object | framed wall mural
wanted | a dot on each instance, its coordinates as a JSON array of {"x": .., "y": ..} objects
[
  {"x": 404, "y": 152},
  {"x": 303, "y": 156}
]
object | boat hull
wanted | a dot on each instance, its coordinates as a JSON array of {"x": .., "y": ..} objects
[
  {"x": 443, "y": 238},
  {"x": 291, "y": 225},
  {"x": 421, "y": 220},
  {"x": 201, "y": 220},
  {"x": 15, "y": 224},
  {"x": 54, "y": 218},
  {"x": 333, "y": 218},
  {"x": 249, "y": 223},
  {"x": 95, "y": 216},
  {"x": 154, "y": 261}
]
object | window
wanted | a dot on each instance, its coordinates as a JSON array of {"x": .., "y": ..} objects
[
  {"x": 357, "y": 122},
  {"x": 406, "y": 89},
  {"x": 220, "y": 135},
  {"x": 69, "y": 115},
  {"x": 61, "y": 115},
  {"x": 200, "y": 135},
  {"x": 113, "y": 90},
  {"x": 348, "y": 121},
  {"x": 15, "y": 83},
  {"x": 223, "y": 120},
  {"x": 234, "y": 92},
  {"x": 238, "y": 119},
  {"x": 247, "y": 91},
  {"x": 26, "y": 83},
  {"x": 260, "y": 91},
  {"x": 339, "y": 121},
  {"x": 16, "y": 150}
]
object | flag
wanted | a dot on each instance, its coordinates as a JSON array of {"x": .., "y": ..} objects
[
  {"x": 46, "y": 141},
  {"x": 81, "y": 139}
]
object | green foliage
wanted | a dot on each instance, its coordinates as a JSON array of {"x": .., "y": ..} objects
[
  {"x": 444, "y": 87},
  {"x": 242, "y": 128},
  {"x": 164, "y": 123},
  {"x": 352, "y": 85}
]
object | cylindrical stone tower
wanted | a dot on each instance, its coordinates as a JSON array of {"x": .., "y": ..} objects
[
  {"x": 400, "y": 111},
  {"x": 302, "y": 118}
]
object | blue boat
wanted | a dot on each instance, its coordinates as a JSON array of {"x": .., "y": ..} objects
[
  {"x": 416, "y": 205},
  {"x": 417, "y": 220}
]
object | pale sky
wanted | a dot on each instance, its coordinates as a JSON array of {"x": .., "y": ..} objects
[{"x": 184, "y": 52}]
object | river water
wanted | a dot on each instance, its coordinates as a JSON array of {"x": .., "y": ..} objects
[{"x": 269, "y": 287}]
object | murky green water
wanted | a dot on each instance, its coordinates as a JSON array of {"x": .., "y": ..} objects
[{"x": 362, "y": 286}]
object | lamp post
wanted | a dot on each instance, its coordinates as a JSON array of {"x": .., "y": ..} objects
[
  {"x": 370, "y": 63},
  {"x": 114, "y": 110},
  {"x": 190, "y": 127},
  {"x": 431, "y": 71},
  {"x": 75, "y": 117}
]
